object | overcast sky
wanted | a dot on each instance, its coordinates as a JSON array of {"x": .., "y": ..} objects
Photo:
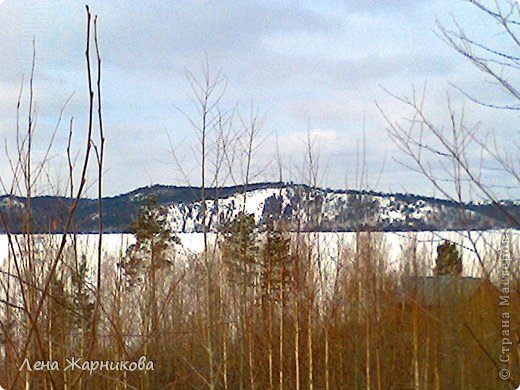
[{"x": 315, "y": 67}]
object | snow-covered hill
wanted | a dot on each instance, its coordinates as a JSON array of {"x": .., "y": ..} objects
[
  {"x": 301, "y": 207},
  {"x": 314, "y": 209}
]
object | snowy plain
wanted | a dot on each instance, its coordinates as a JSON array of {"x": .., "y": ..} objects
[{"x": 395, "y": 245}]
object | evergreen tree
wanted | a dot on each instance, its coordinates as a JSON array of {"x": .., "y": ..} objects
[
  {"x": 275, "y": 272},
  {"x": 152, "y": 250},
  {"x": 151, "y": 253},
  {"x": 81, "y": 296},
  {"x": 240, "y": 249},
  {"x": 449, "y": 260},
  {"x": 240, "y": 255}
]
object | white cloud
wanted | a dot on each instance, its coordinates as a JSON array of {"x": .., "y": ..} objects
[{"x": 317, "y": 65}]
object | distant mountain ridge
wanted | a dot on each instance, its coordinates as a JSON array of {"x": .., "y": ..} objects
[{"x": 301, "y": 207}]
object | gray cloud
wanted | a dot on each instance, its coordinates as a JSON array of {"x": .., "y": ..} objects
[{"x": 307, "y": 65}]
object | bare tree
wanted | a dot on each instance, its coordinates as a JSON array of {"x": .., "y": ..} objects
[
  {"x": 453, "y": 156},
  {"x": 499, "y": 62}
]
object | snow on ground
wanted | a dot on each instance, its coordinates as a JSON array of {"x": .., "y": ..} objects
[
  {"x": 4, "y": 248},
  {"x": 255, "y": 200},
  {"x": 330, "y": 245},
  {"x": 113, "y": 245}
]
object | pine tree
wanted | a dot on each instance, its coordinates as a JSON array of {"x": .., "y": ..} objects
[
  {"x": 275, "y": 271},
  {"x": 152, "y": 250},
  {"x": 151, "y": 253},
  {"x": 240, "y": 254},
  {"x": 240, "y": 249},
  {"x": 449, "y": 260}
]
